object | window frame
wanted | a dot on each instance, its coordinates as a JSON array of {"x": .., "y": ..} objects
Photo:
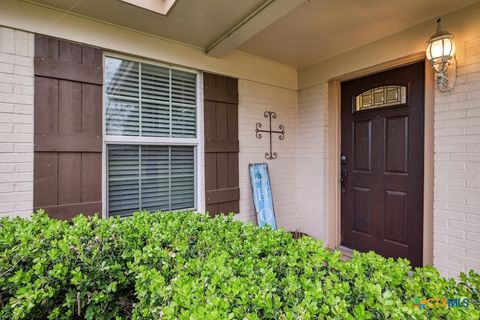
[{"x": 196, "y": 143}]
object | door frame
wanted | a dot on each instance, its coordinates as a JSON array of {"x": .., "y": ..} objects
[{"x": 333, "y": 203}]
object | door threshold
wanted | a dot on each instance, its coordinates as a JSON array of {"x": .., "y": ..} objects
[{"x": 347, "y": 253}]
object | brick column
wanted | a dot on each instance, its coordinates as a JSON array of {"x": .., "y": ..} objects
[
  {"x": 456, "y": 246},
  {"x": 16, "y": 122}
]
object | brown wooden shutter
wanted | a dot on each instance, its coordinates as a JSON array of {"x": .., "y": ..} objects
[
  {"x": 68, "y": 128},
  {"x": 221, "y": 144}
]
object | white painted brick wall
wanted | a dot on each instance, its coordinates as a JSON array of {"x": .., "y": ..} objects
[
  {"x": 456, "y": 245},
  {"x": 254, "y": 100},
  {"x": 312, "y": 159},
  {"x": 16, "y": 122}
]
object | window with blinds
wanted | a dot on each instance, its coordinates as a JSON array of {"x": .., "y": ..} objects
[{"x": 147, "y": 101}]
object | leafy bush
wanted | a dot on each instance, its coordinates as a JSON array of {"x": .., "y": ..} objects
[{"x": 189, "y": 266}]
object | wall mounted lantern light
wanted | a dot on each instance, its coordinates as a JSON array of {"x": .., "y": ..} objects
[{"x": 441, "y": 55}]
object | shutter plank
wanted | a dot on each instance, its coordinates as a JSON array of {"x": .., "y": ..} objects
[
  {"x": 210, "y": 171},
  {"x": 233, "y": 172},
  {"x": 70, "y": 52},
  {"x": 46, "y": 47},
  {"x": 223, "y": 208},
  {"x": 69, "y": 178},
  {"x": 92, "y": 119},
  {"x": 222, "y": 146},
  {"x": 45, "y": 185},
  {"x": 218, "y": 88},
  {"x": 69, "y": 107},
  {"x": 232, "y": 121},
  {"x": 67, "y": 71},
  {"x": 223, "y": 195},
  {"x": 221, "y": 122},
  {"x": 222, "y": 170},
  {"x": 91, "y": 171},
  {"x": 210, "y": 131},
  {"x": 92, "y": 56},
  {"x": 67, "y": 212},
  {"x": 70, "y": 142},
  {"x": 212, "y": 209},
  {"x": 234, "y": 206},
  {"x": 46, "y": 105}
]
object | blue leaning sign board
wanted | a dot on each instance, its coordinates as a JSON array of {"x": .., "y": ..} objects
[{"x": 262, "y": 194}]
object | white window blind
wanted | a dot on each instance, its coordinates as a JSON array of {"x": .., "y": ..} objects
[
  {"x": 147, "y": 101},
  {"x": 150, "y": 178}
]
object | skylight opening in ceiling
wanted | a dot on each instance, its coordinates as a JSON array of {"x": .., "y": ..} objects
[{"x": 159, "y": 6}]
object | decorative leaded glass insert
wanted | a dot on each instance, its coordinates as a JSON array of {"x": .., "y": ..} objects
[{"x": 380, "y": 97}]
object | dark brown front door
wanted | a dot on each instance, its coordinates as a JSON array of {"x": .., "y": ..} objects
[{"x": 382, "y": 163}]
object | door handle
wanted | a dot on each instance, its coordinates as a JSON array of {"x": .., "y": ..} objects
[
  {"x": 343, "y": 177},
  {"x": 343, "y": 174}
]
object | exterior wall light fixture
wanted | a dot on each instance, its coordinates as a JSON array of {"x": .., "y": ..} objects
[{"x": 441, "y": 55}]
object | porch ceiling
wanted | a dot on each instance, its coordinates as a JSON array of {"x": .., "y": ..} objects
[
  {"x": 319, "y": 29},
  {"x": 297, "y": 33},
  {"x": 195, "y": 22}
]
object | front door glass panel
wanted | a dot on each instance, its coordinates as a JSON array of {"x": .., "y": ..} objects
[{"x": 380, "y": 97}]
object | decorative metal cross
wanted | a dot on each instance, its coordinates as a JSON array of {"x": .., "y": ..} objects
[{"x": 258, "y": 131}]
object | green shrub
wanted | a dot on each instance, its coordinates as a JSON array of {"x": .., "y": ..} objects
[{"x": 188, "y": 266}]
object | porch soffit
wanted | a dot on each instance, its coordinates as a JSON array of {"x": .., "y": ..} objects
[
  {"x": 199, "y": 23},
  {"x": 320, "y": 29},
  {"x": 297, "y": 33}
]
